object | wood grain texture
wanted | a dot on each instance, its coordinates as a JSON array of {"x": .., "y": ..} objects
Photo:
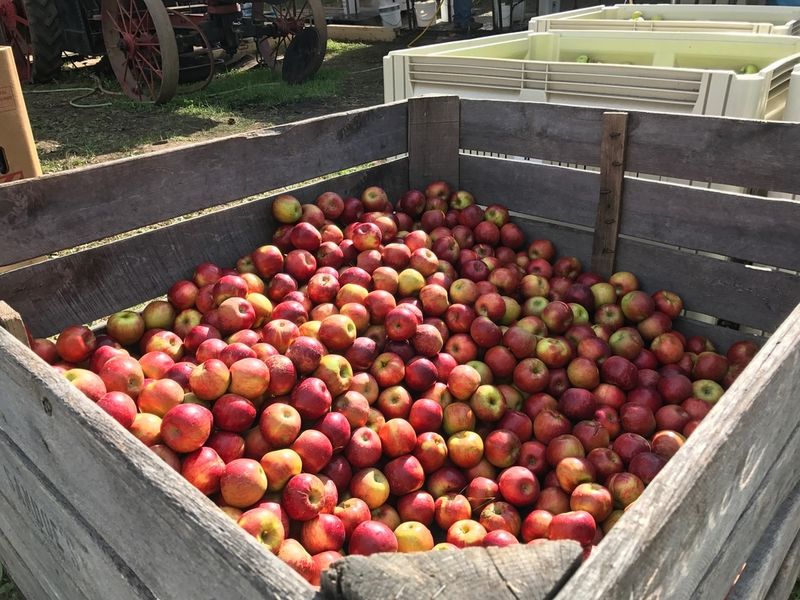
[
  {"x": 96, "y": 282},
  {"x": 665, "y": 543},
  {"x": 698, "y": 148},
  {"x": 11, "y": 321},
  {"x": 728, "y": 290},
  {"x": 513, "y": 572},
  {"x": 111, "y": 495},
  {"x": 764, "y": 230},
  {"x": 609, "y": 205},
  {"x": 786, "y": 579},
  {"x": 769, "y": 554},
  {"x": 433, "y": 138},
  {"x": 63, "y": 210},
  {"x": 757, "y": 521}
]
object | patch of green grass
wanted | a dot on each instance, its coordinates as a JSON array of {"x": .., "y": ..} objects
[{"x": 796, "y": 592}]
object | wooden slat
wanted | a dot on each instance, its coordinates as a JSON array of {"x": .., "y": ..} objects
[
  {"x": 665, "y": 542},
  {"x": 756, "y": 522},
  {"x": 433, "y": 130},
  {"x": 764, "y": 230},
  {"x": 786, "y": 579},
  {"x": 546, "y": 191},
  {"x": 767, "y": 558},
  {"x": 692, "y": 147},
  {"x": 609, "y": 206},
  {"x": 728, "y": 290},
  {"x": 11, "y": 321},
  {"x": 96, "y": 282},
  {"x": 521, "y": 571},
  {"x": 23, "y": 574},
  {"x": 161, "y": 537},
  {"x": 554, "y": 132},
  {"x": 75, "y": 207}
]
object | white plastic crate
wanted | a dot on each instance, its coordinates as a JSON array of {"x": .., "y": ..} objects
[
  {"x": 709, "y": 18},
  {"x": 677, "y": 72}
]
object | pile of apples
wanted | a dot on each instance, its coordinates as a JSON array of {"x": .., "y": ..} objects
[{"x": 385, "y": 379}]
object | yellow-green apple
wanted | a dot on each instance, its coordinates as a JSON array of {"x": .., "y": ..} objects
[
  {"x": 314, "y": 448},
  {"x": 279, "y": 424},
  {"x": 371, "y": 486},
  {"x": 572, "y": 471},
  {"x": 87, "y": 382},
  {"x": 410, "y": 281},
  {"x": 286, "y": 209},
  {"x": 159, "y": 314},
  {"x": 335, "y": 372},
  {"x": 592, "y": 498},
  {"x": 147, "y": 429},
  {"x": 159, "y": 396},
  {"x": 413, "y": 536},
  {"x": 243, "y": 483},
  {"x": 126, "y": 327},
  {"x": 466, "y": 533},
  {"x": 203, "y": 468},
  {"x": 264, "y": 525},
  {"x": 120, "y": 406},
  {"x": 210, "y": 379},
  {"x": 500, "y": 515},
  {"x": 465, "y": 449},
  {"x": 626, "y": 342},
  {"x": 624, "y": 488},
  {"x": 574, "y": 525}
]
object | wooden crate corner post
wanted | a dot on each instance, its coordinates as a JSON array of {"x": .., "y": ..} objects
[
  {"x": 433, "y": 140},
  {"x": 11, "y": 321},
  {"x": 609, "y": 206}
]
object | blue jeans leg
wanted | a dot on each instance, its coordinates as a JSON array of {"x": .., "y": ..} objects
[{"x": 462, "y": 11}]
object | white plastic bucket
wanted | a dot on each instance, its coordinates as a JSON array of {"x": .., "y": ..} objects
[
  {"x": 390, "y": 13},
  {"x": 505, "y": 13},
  {"x": 426, "y": 12}
]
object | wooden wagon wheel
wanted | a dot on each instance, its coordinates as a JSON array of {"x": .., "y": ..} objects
[
  {"x": 196, "y": 64},
  {"x": 141, "y": 48},
  {"x": 290, "y": 19},
  {"x": 32, "y": 30}
]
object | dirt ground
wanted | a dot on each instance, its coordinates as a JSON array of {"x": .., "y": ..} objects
[{"x": 242, "y": 100}]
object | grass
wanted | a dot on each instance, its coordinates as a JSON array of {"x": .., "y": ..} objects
[
  {"x": 236, "y": 101},
  {"x": 8, "y": 591}
]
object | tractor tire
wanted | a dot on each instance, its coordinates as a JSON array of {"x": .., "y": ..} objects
[{"x": 46, "y": 38}]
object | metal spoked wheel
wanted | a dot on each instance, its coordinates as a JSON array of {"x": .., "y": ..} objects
[
  {"x": 196, "y": 57},
  {"x": 141, "y": 47},
  {"x": 299, "y": 47}
]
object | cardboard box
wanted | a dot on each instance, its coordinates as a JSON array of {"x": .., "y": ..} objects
[{"x": 18, "y": 157}]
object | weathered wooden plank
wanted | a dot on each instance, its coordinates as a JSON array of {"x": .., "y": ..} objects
[
  {"x": 433, "y": 130},
  {"x": 667, "y": 540},
  {"x": 23, "y": 574},
  {"x": 757, "y": 521},
  {"x": 609, "y": 206},
  {"x": 764, "y": 230},
  {"x": 696, "y": 148},
  {"x": 769, "y": 554},
  {"x": 12, "y": 323},
  {"x": 44, "y": 526},
  {"x": 721, "y": 337},
  {"x": 160, "y": 532},
  {"x": 96, "y": 282},
  {"x": 519, "y": 571},
  {"x": 547, "y": 191},
  {"x": 786, "y": 579},
  {"x": 75, "y": 207},
  {"x": 728, "y": 290}
]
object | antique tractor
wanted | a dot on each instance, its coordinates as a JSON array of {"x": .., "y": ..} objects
[{"x": 153, "y": 45}]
